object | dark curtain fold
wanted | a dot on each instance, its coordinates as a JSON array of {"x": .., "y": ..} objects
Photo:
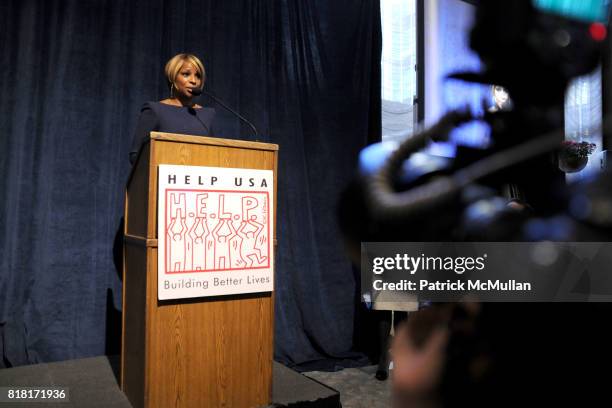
[{"x": 74, "y": 75}]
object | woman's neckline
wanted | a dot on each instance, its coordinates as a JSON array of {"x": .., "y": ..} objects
[{"x": 196, "y": 106}]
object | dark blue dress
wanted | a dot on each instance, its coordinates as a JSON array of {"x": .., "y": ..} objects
[{"x": 160, "y": 117}]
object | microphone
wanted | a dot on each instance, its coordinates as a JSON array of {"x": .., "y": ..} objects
[{"x": 197, "y": 92}]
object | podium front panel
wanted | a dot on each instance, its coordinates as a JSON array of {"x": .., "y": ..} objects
[{"x": 200, "y": 352}]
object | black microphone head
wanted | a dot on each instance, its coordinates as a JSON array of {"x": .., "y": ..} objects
[{"x": 196, "y": 91}]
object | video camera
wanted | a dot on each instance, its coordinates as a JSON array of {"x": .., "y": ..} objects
[{"x": 533, "y": 49}]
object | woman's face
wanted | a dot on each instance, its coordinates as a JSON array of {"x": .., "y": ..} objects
[{"x": 188, "y": 78}]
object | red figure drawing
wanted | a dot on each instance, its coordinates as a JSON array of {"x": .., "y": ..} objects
[
  {"x": 250, "y": 250},
  {"x": 176, "y": 233},
  {"x": 216, "y": 230}
]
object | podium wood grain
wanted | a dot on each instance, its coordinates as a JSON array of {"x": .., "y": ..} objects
[{"x": 204, "y": 352}]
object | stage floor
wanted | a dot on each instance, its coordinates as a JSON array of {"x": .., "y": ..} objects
[
  {"x": 357, "y": 386},
  {"x": 93, "y": 383}
]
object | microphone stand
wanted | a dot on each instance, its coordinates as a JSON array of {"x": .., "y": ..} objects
[{"x": 239, "y": 116}]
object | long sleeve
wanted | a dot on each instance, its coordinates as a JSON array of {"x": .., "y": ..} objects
[{"x": 147, "y": 122}]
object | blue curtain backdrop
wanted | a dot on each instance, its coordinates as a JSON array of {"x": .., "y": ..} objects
[{"x": 74, "y": 75}]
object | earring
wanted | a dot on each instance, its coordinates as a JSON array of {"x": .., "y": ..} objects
[{"x": 171, "y": 90}]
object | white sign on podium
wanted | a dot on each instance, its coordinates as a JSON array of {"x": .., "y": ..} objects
[{"x": 215, "y": 231}]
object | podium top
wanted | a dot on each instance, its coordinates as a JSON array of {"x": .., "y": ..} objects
[{"x": 213, "y": 141}]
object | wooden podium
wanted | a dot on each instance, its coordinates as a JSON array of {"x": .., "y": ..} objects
[{"x": 201, "y": 352}]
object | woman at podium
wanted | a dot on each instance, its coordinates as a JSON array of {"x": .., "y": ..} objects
[{"x": 178, "y": 113}]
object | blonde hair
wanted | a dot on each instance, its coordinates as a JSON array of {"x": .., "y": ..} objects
[{"x": 174, "y": 65}]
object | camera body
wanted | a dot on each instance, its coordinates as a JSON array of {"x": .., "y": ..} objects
[{"x": 534, "y": 55}]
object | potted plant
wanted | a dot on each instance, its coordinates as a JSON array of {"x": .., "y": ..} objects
[{"x": 574, "y": 156}]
